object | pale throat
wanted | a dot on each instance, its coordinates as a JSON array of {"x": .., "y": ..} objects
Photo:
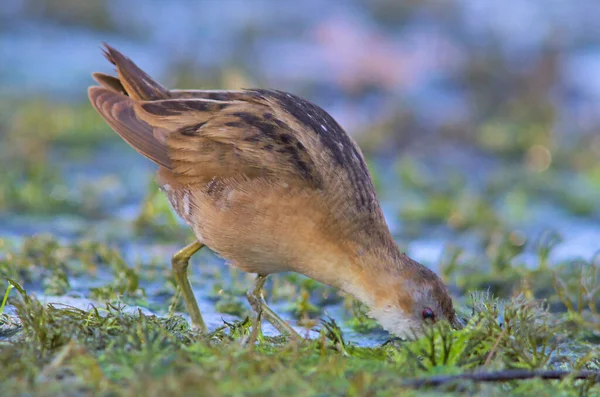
[{"x": 380, "y": 292}]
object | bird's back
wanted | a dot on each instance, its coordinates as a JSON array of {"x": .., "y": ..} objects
[{"x": 217, "y": 141}]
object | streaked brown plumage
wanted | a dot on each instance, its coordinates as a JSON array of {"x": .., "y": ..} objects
[{"x": 272, "y": 183}]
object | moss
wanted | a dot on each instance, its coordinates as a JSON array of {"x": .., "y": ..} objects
[
  {"x": 448, "y": 201},
  {"x": 230, "y": 305},
  {"x": 71, "y": 126},
  {"x": 156, "y": 219},
  {"x": 358, "y": 320},
  {"x": 33, "y": 179},
  {"x": 43, "y": 259},
  {"x": 303, "y": 309},
  {"x": 109, "y": 351}
]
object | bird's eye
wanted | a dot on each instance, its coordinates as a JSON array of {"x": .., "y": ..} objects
[{"x": 428, "y": 314}]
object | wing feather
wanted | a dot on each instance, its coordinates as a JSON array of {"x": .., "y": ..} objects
[{"x": 118, "y": 111}]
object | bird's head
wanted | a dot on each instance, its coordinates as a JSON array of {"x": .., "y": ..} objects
[{"x": 414, "y": 299}]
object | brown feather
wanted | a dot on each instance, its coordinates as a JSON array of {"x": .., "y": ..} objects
[
  {"x": 136, "y": 82},
  {"x": 118, "y": 111},
  {"x": 251, "y": 133},
  {"x": 109, "y": 82}
]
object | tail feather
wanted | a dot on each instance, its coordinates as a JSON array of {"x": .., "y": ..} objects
[
  {"x": 109, "y": 82},
  {"x": 147, "y": 115},
  {"x": 136, "y": 83},
  {"x": 118, "y": 111}
]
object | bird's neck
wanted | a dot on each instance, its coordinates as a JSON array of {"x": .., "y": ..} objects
[{"x": 366, "y": 272}]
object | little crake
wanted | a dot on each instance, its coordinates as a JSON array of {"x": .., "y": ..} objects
[{"x": 272, "y": 183}]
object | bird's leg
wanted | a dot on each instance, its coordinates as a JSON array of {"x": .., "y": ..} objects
[
  {"x": 257, "y": 301},
  {"x": 180, "y": 263}
]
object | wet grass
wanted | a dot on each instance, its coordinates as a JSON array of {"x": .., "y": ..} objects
[
  {"x": 54, "y": 349},
  {"x": 110, "y": 352}
]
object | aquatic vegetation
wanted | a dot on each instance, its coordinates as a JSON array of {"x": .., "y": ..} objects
[
  {"x": 33, "y": 180},
  {"x": 359, "y": 320},
  {"x": 156, "y": 219},
  {"x": 110, "y": 351},
  {"x": 302, "y": 309},
  {"x": 43, "y": 259},
  {"x": 578, "y": 289}
]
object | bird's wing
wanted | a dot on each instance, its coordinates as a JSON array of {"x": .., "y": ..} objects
[
  {"x": 202, "y": 139},
  {"x": 201, "y": 136}
]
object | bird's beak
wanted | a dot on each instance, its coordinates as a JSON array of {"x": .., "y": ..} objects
[{"x": 456, "y": 323}]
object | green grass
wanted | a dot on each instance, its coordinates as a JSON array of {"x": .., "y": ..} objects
[
  {"x": 53, "y": 349},
  {"x": 66, "y": 350}
]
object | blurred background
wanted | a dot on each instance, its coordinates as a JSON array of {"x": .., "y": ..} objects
[{"x": 480, "y": 119}]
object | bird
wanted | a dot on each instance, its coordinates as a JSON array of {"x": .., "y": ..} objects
[{"x": 271, "y": 183}]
